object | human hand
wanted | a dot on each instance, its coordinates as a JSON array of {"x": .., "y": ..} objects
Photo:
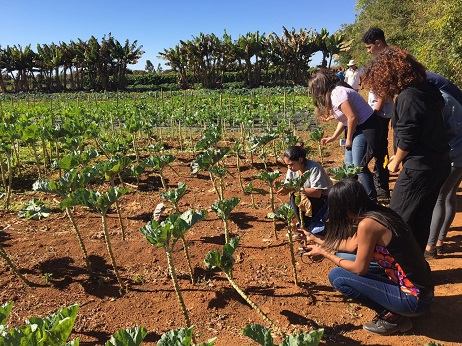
[
  {"x": 393, "y": 167},
  {"x": 326, "y": 140}
]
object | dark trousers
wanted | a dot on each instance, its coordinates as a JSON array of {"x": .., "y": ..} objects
[
  {"x": 381, "y": 174},
  {"x": 414, "y": 197}
]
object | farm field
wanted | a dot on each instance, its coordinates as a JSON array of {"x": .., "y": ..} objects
[{"x": 49, "y": 256}]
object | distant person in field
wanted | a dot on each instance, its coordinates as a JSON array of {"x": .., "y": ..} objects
[
  {"x": 353, "y": 75},
  {"x": 374, "y": 40},
  {"x": 419, "y": 136},
  {"x": 314, "y": 191},
  {"x": 354, "y": 116}
]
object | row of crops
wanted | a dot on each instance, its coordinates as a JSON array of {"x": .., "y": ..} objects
[{"x": 89, "y": 150}]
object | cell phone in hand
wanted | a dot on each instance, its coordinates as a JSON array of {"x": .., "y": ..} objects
[{"x": 342, "y": 142}]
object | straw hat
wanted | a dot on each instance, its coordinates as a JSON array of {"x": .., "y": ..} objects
[{"x": 351, "y": 63}]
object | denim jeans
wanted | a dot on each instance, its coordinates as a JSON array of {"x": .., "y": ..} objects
[
  {"x": 374, "y": 267},
  {"x": 378, "y": 293},
  {"x": 356, "y": 156}
]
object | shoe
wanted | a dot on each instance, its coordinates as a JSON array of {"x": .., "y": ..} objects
[
  {"x": 430, "y": 254},
  {"x": 382, "y": 193},
  {"x": 382, "y": 327},
  {"x": 440, "y": 249}
]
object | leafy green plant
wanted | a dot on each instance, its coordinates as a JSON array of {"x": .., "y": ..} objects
[
  {"x": 250, "y": 190},
  {"x": 270, "y": 179},
  {"x": 206, "y": 161},
  {"x": 63, "y": 187},
  {"x": 110, "y": 169},
  {"x": 225, "y": 262},
  {"x": 158, "y": 164},
  {"x": 262, "y": 335},
  {"x": 46, "y": 277},
  {"x": 286, "y": 212},
  {"x": 183, "y": 337},
  {"x": 165, "y": 235},
  {"x": 259, "y": 142},
  {"x": 316, "y": 135},
  {"x": 54, "y": 329},
  {"x": 345, "y": 171},
  {"x": 100, "y": 202},
  {"x": 223, "y": 209},
  {"x": 34, "y": 209},
  {"x": 127, "y": 337},
  {"x": 174, "y": 195},
  {"x": 296, "y": 184}
]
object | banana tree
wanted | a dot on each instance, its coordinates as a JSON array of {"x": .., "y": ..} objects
[
  {"x": 287, "y": 213},
  {"x": 165, "y": 235},
  {"x": 225, "y": 262},
  {"x": 270, "y": 179},
  {"x": 223, "y": 209},
  {"x": 100, "y": 202}
]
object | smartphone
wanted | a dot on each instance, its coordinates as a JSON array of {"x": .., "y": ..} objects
[{"x": 342, "y": 142}]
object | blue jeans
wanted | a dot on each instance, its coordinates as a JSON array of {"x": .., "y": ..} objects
[
  {"x": 378, "y": 293},
  {"x": 374, "y": 267},
  {"x": 356, "y": 156}
]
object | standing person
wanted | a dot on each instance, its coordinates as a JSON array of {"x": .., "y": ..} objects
[
  {"x": 378, "y": 233},
  {"x": 374, "y": 41},
  {"x": 446, "y": 204},
  {"x": 419, "y": 136},
  {"x": 354, "y": 116},
  {"x": 353, "y": 75},
  {"x": 315, "y": 189}
]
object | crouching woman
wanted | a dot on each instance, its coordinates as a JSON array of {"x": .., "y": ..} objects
[{"x": 376, "y": 232}]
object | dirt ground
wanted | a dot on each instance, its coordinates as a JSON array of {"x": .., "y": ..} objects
[{"x": 47, "y": 250}]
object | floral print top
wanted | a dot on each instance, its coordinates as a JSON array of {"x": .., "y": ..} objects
[{"x": 394, "y": 270}]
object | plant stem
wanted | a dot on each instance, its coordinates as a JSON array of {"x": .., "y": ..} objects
[
  {"x": 171, "y": 267},
  {"x": 292, "y": 255},
  {"x": 79, "y": 237},
  {"x": 254, "y": 306},
  {"x": 186, "y": 253},
  {"x": 225, "y": 222},
  {"x": 15, "y": 270},
  {"x": 111, "y": 255},
  {"x": 119, "y": 216},
  {"x": 273, "y": 210}
]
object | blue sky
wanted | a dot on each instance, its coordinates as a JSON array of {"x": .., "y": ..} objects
[{"x": 162, "y": 24}]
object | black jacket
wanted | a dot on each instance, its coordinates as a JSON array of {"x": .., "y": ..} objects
[{"x": 418, "y": 127}]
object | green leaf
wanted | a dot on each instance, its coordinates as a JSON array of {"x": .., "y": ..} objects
[
  {"x": 258, "y": 333},
  {"x": 180, "y": 337},
  {"x": 297, "y": 183},
  {"x": 56, "y": 328},
  {"x": 312, "y": 338},
  {"x": 5, "y": 310},
  {"x": 128, "y": 337},
  {"x": 223, "y": 208}
]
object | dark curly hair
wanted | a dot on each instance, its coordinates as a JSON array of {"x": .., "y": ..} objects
[{"x": 392, "y": 71}]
